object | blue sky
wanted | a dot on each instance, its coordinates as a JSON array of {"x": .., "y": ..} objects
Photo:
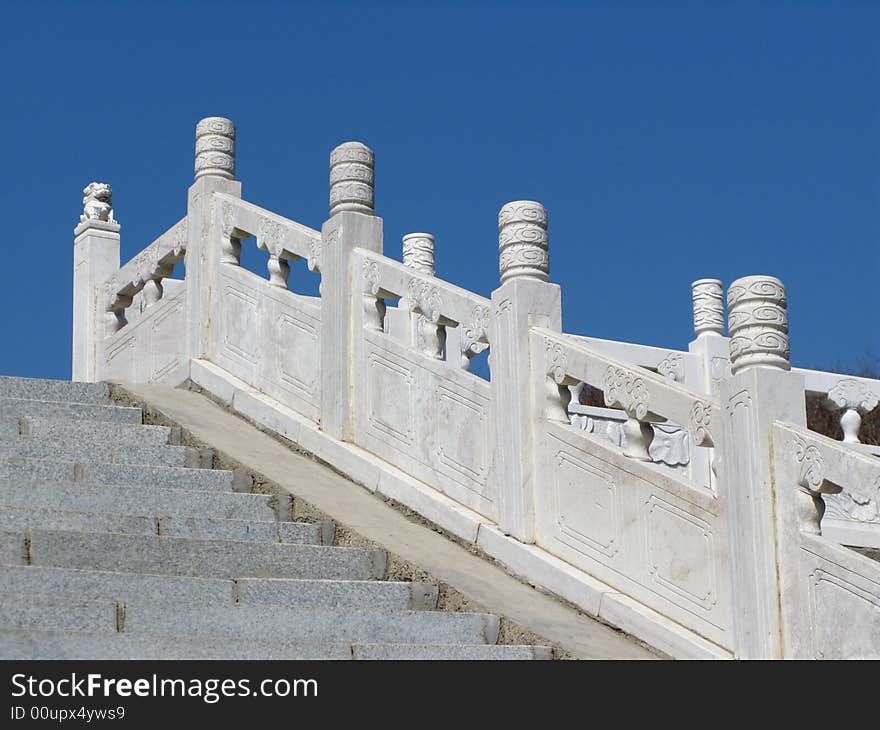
[{"x": 669, "y": 141}]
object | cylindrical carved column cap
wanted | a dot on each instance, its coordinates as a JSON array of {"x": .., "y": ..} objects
[
  {"x": 418, "y": 252},
  {"x": 351, "y": 178},
  {"x": 708, "y": 296},
  {"x": 523, "y": 245},
  {"x": 215, "y": 147},
  {"x": 758, "y": 323}
]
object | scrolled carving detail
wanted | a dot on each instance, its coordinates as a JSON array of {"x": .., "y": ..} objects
[
  {"x": 708, "y": 299},
  {"x": 700, "y": 422},
  {"x": 557, "y": 361},
  {"x": 672, "y": 367},
  {"x": 418, "y": 252},
  {"x": 215, "y": 148},
  {"x": 523, "y": 244},
  {"x": 812, "y": 485},
  {"x": 626, "y": 391},
  {"x": 371, "y": 278},
  {"x": 758, "y": 323},
  {"x": 474, "y": 336},
  {"x": 270, "y": 236},
  {"x": 352, "y": 167},
  {"x": 425, "y": 298}
]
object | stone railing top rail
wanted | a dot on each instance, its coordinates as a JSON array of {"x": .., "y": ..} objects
[
  {"x": 276, "y": 234},
  {"x": 826, "y": 466},
  {"x": 156, "y": 261},
  {"x": 644, "y": 395},
  {"x": 666, "y": 361},
  {"x": 850, "y": 386},
  {"x": 438, "y": 300}
]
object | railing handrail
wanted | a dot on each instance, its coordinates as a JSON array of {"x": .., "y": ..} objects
[{"x": 645, "y": 394}]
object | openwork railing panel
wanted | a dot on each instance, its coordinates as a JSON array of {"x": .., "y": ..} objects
[
  {"x": 418, "y": 408},
  {"x": 644, "y": 530}
]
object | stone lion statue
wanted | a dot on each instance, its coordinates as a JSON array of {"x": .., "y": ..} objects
[{"x": 97, "y": 202}]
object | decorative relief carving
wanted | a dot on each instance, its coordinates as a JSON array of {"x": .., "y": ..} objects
[
  {"x": 700, "y": 420},
  {"x": 672, "y": 367},
  {"x": 418, "y": 252},
  {"x": 371, "y": 277},
  {"x": 425, "y": 298},
  {"x": 855, "y": 399},
  {"x": 708, "y": 307},
  {"x": 503, "y": 306},
  {"x": 523, "y": 244},
  {"x": 758, "y": 323},
  {"x": 270, "y": 236},
  {"x": 626, "y": 391},
  {"x": 474, "y": 336},
  {"x": 351, "y": 178},
  {"x": 215, "y": 148},
  {"x": 374, "y": 306},
  {"x": 97, "y": 203},
  {"x": 860, "y": 502},
  {"x": 812, "y": 484},
  {"x": 557, "y": 362},
  {"x": 316, "y": 247},
  {"x": 719, "y": 371}
]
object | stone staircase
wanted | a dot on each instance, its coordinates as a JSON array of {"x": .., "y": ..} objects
[{"x": 118, "y": 542}]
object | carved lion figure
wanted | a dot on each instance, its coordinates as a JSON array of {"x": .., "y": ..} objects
[{"x": 97, "y": 202}]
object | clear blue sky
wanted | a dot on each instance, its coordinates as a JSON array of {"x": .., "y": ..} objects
[{"x": 669, "y": 140}]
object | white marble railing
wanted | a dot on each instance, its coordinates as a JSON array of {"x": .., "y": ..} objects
[
  {"x": 655, "y": 512},
  {"x": 145, "y": 272},
  {"x": 830, "y": 596}
]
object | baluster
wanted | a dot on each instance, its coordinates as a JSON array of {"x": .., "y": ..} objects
[
  {"x": 279, "y": 270},
  {"x": 855, "y": 400},
  {"x": 153, "y": 291}
]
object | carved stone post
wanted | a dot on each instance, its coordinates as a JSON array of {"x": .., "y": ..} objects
[
  {"x": 214, "y": 172},
  {"x": 95, "y": 260},
  {"x": 713, "y": 350},
  {"x": 351, "y": 225},
  {"x": 761, "y": 390},
  {"x": 424, "y": 335},
  {"x": 524, "y": 299}
]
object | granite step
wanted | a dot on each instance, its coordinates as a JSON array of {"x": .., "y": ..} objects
[
  {"x": 387, "y": 595},
  {"x": 348, "y": 625},
  {"x": 451, "y": 652},
  {"x": 20, "y": 408},
  {"x": 80, "y": 432},
  {"x": 204, "y": 558},
  {"x": 53, "y": 390},
  {"x": 93, "y": 585},
  {"x": 299, "y": 533},
  {"x": 35, "y": 645},
  {"x": 168, "y": 477},
  {"x": 311, "y": 623},
  {"x": 30, "y": 645},
  {"x": 26, "y": 612},
  {"x": 106, "y": 452},
  {"x": 143, "y": 501}
]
